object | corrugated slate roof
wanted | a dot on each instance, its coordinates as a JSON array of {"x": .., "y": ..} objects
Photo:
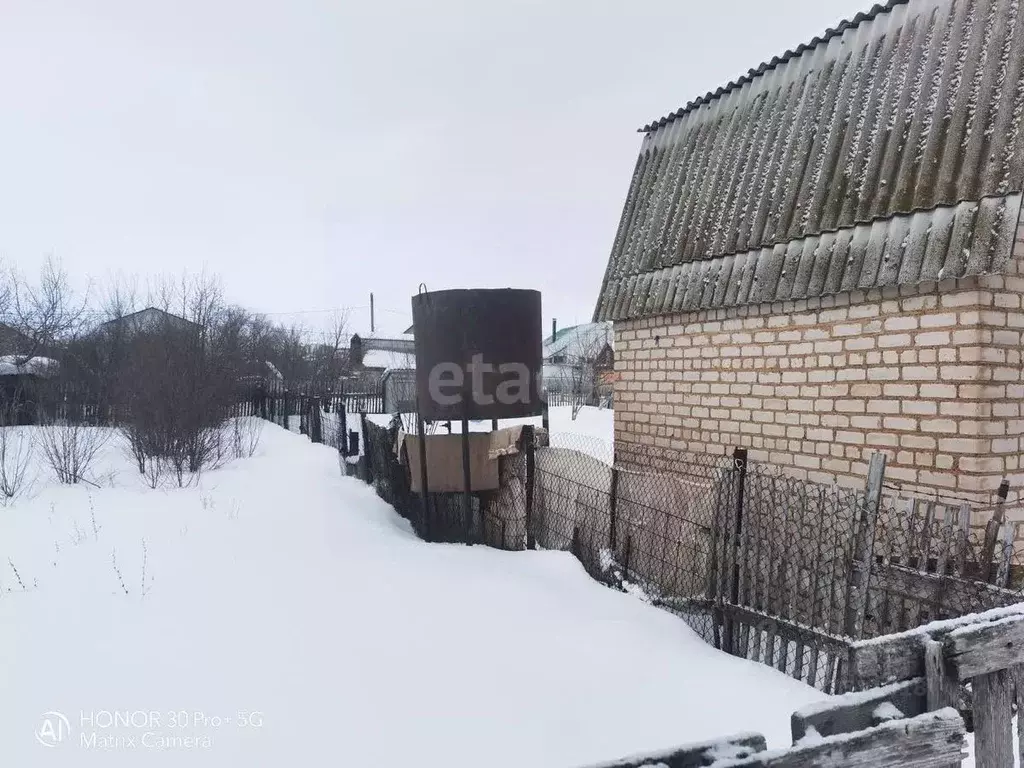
[
  {"x": 579, "y": 340},
  {"x": 895, "y": 140}
]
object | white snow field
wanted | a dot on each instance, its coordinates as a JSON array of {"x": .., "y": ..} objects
[{"x": 286, "y": 616}]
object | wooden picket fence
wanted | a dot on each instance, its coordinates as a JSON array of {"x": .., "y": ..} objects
[
  {"x": 911, "y": 691},
  {"x": 930, "y": 563},
  {"x": 800, "y": 569}
]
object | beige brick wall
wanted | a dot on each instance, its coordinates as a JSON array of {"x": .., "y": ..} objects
[{"x": 931, "y": 375}]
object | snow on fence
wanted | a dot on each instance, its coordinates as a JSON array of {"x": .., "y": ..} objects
[
  {"x": 933, "y": 740},
  {"x": 765, "y": 566},
  {"x": 911, "y": 693}
]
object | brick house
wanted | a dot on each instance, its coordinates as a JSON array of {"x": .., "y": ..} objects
[{"x": 824, "y": 258}]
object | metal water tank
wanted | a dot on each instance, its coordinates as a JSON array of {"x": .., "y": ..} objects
[{"x": 478, "y": 353}]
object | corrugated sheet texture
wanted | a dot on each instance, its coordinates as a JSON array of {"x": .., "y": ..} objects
[{"x": 868, "y": 141}]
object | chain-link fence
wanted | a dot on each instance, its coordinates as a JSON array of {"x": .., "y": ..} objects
[
  {"x": 761, "y": 564},
  {"x": 438, "y": 517},
  {"x": 651, "y": 533},
  {"x": 789, "y": 574}
]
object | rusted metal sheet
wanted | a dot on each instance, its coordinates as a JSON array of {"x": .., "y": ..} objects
[
  {"x": 478, "y": 350},
  {"x": 898, "y": 122}
]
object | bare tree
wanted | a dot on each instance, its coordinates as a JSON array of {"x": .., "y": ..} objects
[
  {"x": 584, "y": 369},
  {"x": 331, "y": 360},
  {"x": 45, "y": 313}
]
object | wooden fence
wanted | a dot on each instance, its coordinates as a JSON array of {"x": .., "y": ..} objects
[
  {"x": 933, "y": 740},
  {"x": 931, "y": 563},
  {"x": 596, "y": 400},
  {"x": 932, "y": 666},
  {"x": 793, "y": 569},
  {"x": 911, "y": 692}
]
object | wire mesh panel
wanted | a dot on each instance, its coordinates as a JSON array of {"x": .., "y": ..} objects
[
  {"x": 389, "y": 477},
  {"x": 443, "y": 518},
  {"x": 787, "y": 601},
  {"x": 650, "y": 533}
]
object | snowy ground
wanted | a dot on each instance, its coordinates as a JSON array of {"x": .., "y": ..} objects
[{"x": 285, "y": 616}]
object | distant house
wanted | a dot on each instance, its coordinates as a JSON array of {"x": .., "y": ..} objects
[
  {"x": 379, "y": 352},
  {"x": 13, "y": 341},
  {"x": 398, "y": 390},
  {"x": 21, "y": 386},
  {"x": 824, "y": 258},
  {"x": 262, "y": 373},
  {"x": 372, "y": 355},
  {"x": 149, "y": 319},
  {"x": 578, "y": 358}
]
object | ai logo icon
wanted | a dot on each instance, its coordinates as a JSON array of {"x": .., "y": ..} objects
[{"x": 53, "y": 730}]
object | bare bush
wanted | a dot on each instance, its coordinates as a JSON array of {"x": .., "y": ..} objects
[
  {"x": 246, "y": 432},
  {"x": 153, "y": 468},
  {"x": 15, "y": 462},
  {"x": 176, "y": 379},
  {"x": 70, "y": 448}
]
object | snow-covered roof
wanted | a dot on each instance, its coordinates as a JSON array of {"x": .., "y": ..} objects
[
  {"x": 18, "y": 365},
  {"x": 579, "y": 341},
  {"x": 886, "y": 153},
  {"x": 384, "y": 359},
  {"x": 274, "y": 372},
  {"x": 385, "y": 336}
]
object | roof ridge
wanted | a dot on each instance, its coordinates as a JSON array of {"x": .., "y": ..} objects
[{"x": 788, "y": 55}]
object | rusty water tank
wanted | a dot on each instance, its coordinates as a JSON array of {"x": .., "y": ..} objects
[{"x": 478, "y": 353}]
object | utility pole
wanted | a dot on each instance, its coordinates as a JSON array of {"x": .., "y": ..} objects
[{"x": 373, "y": 329}]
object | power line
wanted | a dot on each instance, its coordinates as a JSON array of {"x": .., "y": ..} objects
[{"x": 337, "y": 309}]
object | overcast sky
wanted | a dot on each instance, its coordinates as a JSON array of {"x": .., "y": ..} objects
[{"x": 313, "y": 151}]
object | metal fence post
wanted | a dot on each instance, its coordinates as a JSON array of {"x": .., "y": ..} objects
[
  {"x": 343, "y": 428},
  {"x": 467, "y": 482},
  {"x": 367, "y": 463},
  {"x": 531, "y": 470},
  {"x": 613, "y": 511},
  {"x": 425, "y": 498},
  {"x": 740, "y": 463}
]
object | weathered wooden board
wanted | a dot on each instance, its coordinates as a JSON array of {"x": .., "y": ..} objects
[
  {"x": 993, "y": 719},
  {"x": 932, "y": 740},
  {"x": 789, "y": 631},
  {"x": 695, "y": 755},
  {"x": 942, "y": 685},
  {"x": 853, "y": 712},
  {"x": 887, "y": 660},
  {"x": 979, "y": 649}
]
